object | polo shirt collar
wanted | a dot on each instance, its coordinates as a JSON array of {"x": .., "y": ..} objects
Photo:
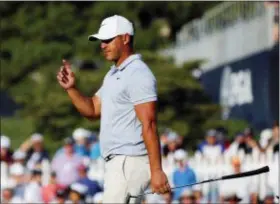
[{"x": 126, "y": 62}]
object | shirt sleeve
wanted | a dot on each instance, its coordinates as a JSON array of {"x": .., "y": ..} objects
[
  {"x": 142, "y": 88},
  {"x": 99, "y": 92}
]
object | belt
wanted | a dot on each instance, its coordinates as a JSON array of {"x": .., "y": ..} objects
[{"x": 109, "y": 157}]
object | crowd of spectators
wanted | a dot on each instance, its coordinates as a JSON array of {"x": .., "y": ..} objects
[{"x": 75, "y": 173}]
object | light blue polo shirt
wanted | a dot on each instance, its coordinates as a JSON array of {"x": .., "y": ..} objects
[{"x": 124, "y": 87}]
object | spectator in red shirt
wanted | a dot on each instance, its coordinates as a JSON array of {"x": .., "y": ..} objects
[{"x": 49, "y": 191}]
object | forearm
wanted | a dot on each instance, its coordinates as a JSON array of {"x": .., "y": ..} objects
[
  {"x": 83, "y": 104},
  {"x": 152, "y": 143}
]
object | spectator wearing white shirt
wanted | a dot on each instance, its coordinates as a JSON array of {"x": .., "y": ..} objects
[
  {"x": 273, "y": 178},
  {"x": 33, "y": 190},
  {"x": 17, "y": 175},
  {"x": 211, "y": 149},
  {"x": 36, "y": 153},
  {"x": 242, "y": 187},
  {"x": 273, "y": 142},
  {"x": 236, "y": 148}
]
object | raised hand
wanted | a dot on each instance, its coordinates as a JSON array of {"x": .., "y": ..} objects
[{"x": 65, "y": 76}]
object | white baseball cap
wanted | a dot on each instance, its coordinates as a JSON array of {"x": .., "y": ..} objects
[
  {"x": 18, "y": 155},
  {"x": 37, "y": 137},
  {"x": 5, "y": 142},
  {"x": 111, "y": 27},
  {"x": 80, "y": 188},
  {"x": 81, "y": 133},
  {"x": 180, "y": 155}
]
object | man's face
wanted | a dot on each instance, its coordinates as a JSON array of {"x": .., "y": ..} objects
[
  {"x": 74, "y": 196},
  {"x": 211, "y": 140},
  {"x": 172, "y": 145},
  {"x": 236, "y": 164},
  {"x": 37, "y": 145},
  {"x": 69, "y": 149},
  {"x": 112, "y": 48},
  {"x": 4, "y": 151}
]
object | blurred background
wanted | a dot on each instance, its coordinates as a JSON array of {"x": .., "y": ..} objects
[{"x": 217, "y": 67}]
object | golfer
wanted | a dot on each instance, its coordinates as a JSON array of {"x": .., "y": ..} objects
[{"x": 126, "y": 105}]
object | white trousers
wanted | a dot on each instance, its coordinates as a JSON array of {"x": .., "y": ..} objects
[{"x": 123, "y": 175}]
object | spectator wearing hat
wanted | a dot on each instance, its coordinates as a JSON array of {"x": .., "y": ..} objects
[
  {"x": 77, "y": 193},
  {"x": 6, "y": 152},
  {"x": 250, "y": 144},
  {"x": 172, "y": 143},
  {"x": 183, "y": 174},
  {"x": 92, "y": 186},
  {"x": 211, "y": 148},
  {"x": 65, "y": 164},
  {"x": 187, "y": 196},
  {"x": 35, "y": 151},
  {"x": 33, "y": 190},
  {"x": 81, "y": 137},
  {"x": 19, "y": 157},
  {"x": 17, "y": 176}
]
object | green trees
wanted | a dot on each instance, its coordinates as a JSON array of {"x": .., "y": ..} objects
[{"x": 35, "y": 37}]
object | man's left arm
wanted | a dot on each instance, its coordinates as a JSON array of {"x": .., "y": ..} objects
[{"x": 146, "y": 113}]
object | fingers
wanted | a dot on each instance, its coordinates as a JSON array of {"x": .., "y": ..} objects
[
  {"x": 62, "y": 75},
  {"x": 66, "y": 64},
  {"x": 162, "y": 189},
  {"x": 62, "y": 78}
]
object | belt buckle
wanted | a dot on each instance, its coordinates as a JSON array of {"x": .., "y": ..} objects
[{"x": 109, "y": 157}]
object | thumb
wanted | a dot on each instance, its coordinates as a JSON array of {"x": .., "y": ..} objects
[{"x": 66, "y": 64}]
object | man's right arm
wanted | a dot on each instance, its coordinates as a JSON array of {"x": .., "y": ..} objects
[{"x": 89, "y": 107}]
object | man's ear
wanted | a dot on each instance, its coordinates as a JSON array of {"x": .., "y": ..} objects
[{"x": 126, "y": 39}]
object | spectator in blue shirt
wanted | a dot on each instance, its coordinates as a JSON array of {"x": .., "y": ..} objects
[
  {"x": 95, "y": 150},
  {"x": 92, "y": 186},
  {"x": 183, "y": 174}
]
